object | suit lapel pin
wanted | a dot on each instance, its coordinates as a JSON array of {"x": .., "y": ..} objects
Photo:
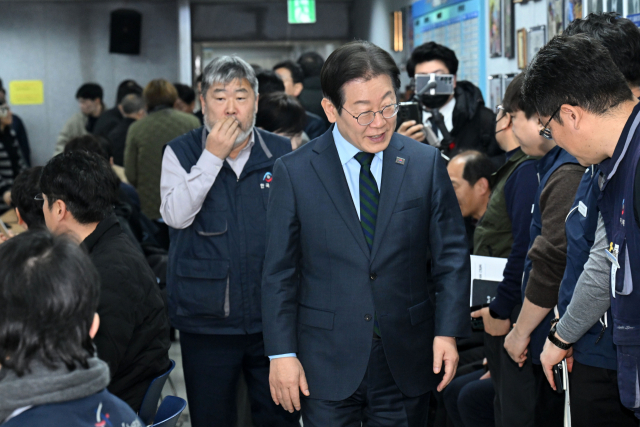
[{"x": 400, "y": 160}]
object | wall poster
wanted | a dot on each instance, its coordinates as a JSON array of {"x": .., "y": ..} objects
[
  {"x": 555, "y": 12},
  {"x": 522, "y": 48},
  {"x": 536, "y": 39},
  {"x": 509, "y": 29},
  {"x": 495, "y": 28},
  {"x": 572, "y": 11}
]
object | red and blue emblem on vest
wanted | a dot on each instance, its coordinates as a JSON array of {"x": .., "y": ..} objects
[{"x": 268, "y": 177}]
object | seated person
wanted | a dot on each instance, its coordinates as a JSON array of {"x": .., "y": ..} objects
[
  {"x": 283, "y": 115},
  {"x": 50, "y": 375},
  {"x": 28, "y": 209},
  {"x": 79, "y": 190}
]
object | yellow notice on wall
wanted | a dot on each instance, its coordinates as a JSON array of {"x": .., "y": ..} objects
[{"x": 26, "y": 92}]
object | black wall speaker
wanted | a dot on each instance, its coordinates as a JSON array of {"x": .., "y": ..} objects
[{"x": 125, "y": 32}]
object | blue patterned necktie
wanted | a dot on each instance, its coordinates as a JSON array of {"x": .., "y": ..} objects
[{"x": 369, "y": 199}]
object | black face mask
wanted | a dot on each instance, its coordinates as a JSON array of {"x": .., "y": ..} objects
[{"x": 434, "y": 101}]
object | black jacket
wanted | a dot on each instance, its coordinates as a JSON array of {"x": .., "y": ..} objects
[
  {"x": 474, "y": 125},
  {"x": 311, "y": 97},
  {"x": 107, "y": 121},
  {"x": 118, "y": 137},
  {"x": 133, "y": 337}
]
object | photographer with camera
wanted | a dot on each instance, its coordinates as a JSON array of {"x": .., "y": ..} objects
[{"x": 459, "y": 120}]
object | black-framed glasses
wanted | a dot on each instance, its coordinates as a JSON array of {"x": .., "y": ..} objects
[
  {"x": 368, "y": 117},
  {"x": 545, "y": 132}
]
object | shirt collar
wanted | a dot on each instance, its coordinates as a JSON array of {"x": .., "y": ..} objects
[
  {"x": 346, "y": 150},
  {"x": 608, "y": 167},
  {"x": 447, "y": 109},
  {"x": 249, "y": 146}
]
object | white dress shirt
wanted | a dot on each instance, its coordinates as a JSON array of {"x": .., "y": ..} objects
[{"x": 447, "y": 114}]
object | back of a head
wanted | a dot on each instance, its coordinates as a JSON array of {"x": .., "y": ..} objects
[
  {"x": 353, "y": 61},
  {"x": 91, "y": 91},
  {"x": 620, "y": 37},
  {"x": 282, "y": 113},
  {"x": 127, "y": 87},
  {"x": 49, "y": 291},
  {"x": 513, "y": 100},
  {"x": 297, "y": 75},
  {"x": 575, "y": 70},
  {"x": 159, "y": 93},
  {"x": 311, "y": 64},
  {"x": 84, "y": 181},
  {"x": 477, "y": 165},
  {"x": 132, "y": 103},
  {"x": 269, "y": 82},
  {"x": 432, "y": 51},
  {"x": 224, "y": 70},
  {"x": 185, "y": 93},
  {"x": 23, "y": 191},
  {"x": 91, "y": 144}
]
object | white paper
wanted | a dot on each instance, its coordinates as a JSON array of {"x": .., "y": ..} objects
[{"x": 486, "y": 268}]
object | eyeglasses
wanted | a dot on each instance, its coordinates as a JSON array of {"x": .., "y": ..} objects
[
  {"x": 546, "y": 132},
  {"x": 498, "y": 109},
  {"x": 368, "y": 117},
  {"x": 39, "y": 197}
]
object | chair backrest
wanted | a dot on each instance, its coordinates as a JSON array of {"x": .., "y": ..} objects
[
  {"x": 149, "y": 404},
  {"x": 169, "y": 411}
]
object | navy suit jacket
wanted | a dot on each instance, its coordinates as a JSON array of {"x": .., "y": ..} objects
[{"x": 321, "y": 284}]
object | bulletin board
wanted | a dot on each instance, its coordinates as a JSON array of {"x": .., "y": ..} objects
[{"x": 457, "y": 24}]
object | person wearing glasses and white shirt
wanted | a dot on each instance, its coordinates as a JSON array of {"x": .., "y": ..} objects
[{"x": 352, "y": 318}]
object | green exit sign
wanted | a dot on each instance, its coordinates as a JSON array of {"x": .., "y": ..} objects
[{"x": 302, "y": 11}]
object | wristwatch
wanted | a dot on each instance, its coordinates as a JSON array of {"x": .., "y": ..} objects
[{"x": 552, "y": 337}]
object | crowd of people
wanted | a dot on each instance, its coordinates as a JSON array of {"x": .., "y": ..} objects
[{"x": 298, "y": 237}]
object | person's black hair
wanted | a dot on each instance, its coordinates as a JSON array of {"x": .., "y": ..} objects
[
  {"x": 84, "y": 181},
  {"x": 91, "y": 144},
  {"x": 49, "y": 292},
  {"x": 619, "y": 35},
  {"x": 23, "y": 191},
  {"x": 91, "y": 91},
  {"x": 575, "y": 70},
  {"x": 512, "y": 101},
  {"x": 279, "y": 112},
  {"x": 429, "y": 52},
  {"x": 185, "y": 93},
  {"x": 297, "y": 75},
  {"x": 353, "y": 61},
  {"x": 311, "y": 64},
  {"x": 127, "y": 87},
  {"x": 477, "y": 165},
  {"x": 199, "y": 79},
  {"x": 268, "y": 82}
]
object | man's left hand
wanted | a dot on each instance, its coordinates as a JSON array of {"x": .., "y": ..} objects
[
  {"x": 516, "y": 345},
  {"x": 494, "y": 327},
  {"x": 445, "y": 350},
  {"x": 551, "y": 356}
]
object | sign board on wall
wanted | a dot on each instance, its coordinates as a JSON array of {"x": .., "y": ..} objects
[
  {"x": 26, "y": 92},
  {"x": 302, "y": 11}
]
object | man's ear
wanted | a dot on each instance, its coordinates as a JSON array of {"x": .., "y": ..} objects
[
  {"x": 59, "y": 209},
  {"x": 482, "y": 186},
  {"x": 330, "y": 110},
  {"x": 95, "y": 325},
  {"x": 572, "y": 116},
  {"x": 20, "y": 220},
  {"x": 297, "y": 89}
]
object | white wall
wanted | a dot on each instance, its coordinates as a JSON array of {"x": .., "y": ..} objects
[{"x": 66, "y": 44}]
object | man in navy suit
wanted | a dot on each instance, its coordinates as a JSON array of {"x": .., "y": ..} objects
[{"x": 366, "y": 277}]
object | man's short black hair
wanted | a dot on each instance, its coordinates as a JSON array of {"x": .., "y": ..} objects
[
  {"x": 429, "y": 52},
  {"x": 513, "y": 100},
  {"x": 353, "y": 61},
  {"x": 49, "y": 291},
  {"x": 91, "y": 91},
  {"x": 297, "y": 75},
  {"x": 185, "y": 93},
  {"x": 311, "y": 64},
  {"x": 268, "y": 82},
  {"x": 575, "y": 70},
  {"x": 84, "y": 181},
  {"x": 477, "y": 165},
  {"x": 127, "y": 87},
  {"x": 90, "y": 144},
  {"x": 282, "y": 113},
  {"x": 618, "y": 35},
  {"x": 25, "y": 187}
]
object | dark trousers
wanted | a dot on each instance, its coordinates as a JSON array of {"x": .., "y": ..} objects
[
  {"x": 376, "y": 403},
  {"x": 469, "y": 401},
  {"x": 514, "y": 402},
  {"x": 595, "y": 399},
  {"x": 549, "y": 410},
  {"x": 212, "y": 366}
]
